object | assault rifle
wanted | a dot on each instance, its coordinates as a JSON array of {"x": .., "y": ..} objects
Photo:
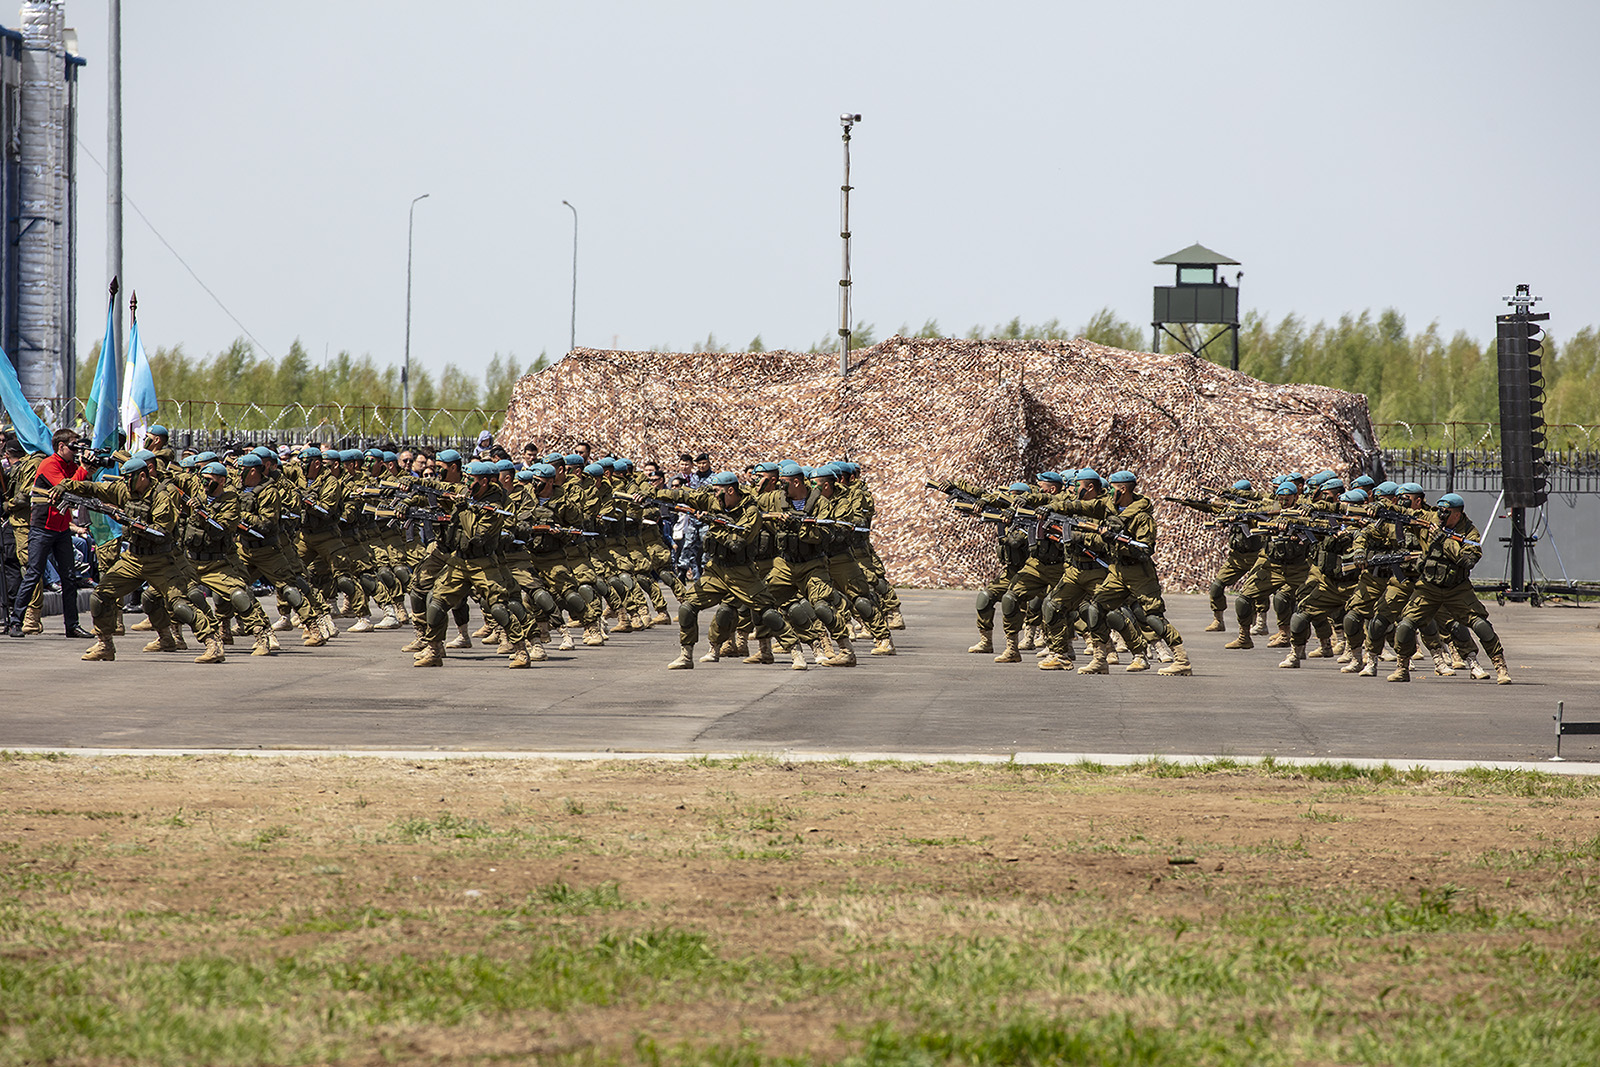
[
  {"x": 1059, "y": 526},
  {"x": 1378, "y": 560},
  {"x": 204, "y": 515},
  {"x": 74, "y": 500},
  {"x": 715, "y": 518},
  {"x": 812, "y": 520}
]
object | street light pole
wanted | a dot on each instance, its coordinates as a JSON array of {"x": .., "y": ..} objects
[
  {"x": 847, "y": 120},
  {"x": 572, "y": 339},
  {"x": 405, "y": 371}
]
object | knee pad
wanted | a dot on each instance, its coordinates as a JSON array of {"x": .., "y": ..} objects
[
  {"x": 725, "y": 617},
  {"x": 1048, "y": 611},
  {"x": 985, "y": 601},
  {"x": 1009, "y": 604},
  {"x": 1245, "y": 611},
  {"x": 294, "y": 597},
  {"x": 1136, "y": 614},
  {"x": 386, "y": 576},
  {"x": 543, "y": 602},
  {"x": 436, "y": 613},
  {"x": 687, "y": 616},
  {"x": 1483, "y": 629},
  {"x": 1282, "y": 605},
  {"x": 1117, "y": 620},
  {"x": 588, "y": 593},
  {"x": 243, "y": 603},
  {"x": 865, "y": 610},
  {"x": 824, "y": 611},
  {"x": 183, "y": 612},
  {"x": 1299, "y": 625},
  {"x": 882, "y": 587},
  {"x": 518, "y": 612},
  {"x": 101, "y": 606},
  {"x": 150, "y": 602},
  {"x": 575, "y": 602},
  {"x": 1405, "y": 634},
  {"x": 402, "y": 574},
  {"x": 369, "y": 583},
  {"x": 626, "y": 581},
  {"x": 1158, "y": 625},
  {"x": 802, "y": 614},
  {"x": 771, "y": 622},
  {"x": 198, "y": 595},
  {"x": 501, "y": 614},
  {"x": 1218, "y": 593},
  {"x": 419, "y": 603},
  {"x": 667, "y": 578},
  {"x": 345, "y": 586},
  {"x": 1092, "y": 616}
]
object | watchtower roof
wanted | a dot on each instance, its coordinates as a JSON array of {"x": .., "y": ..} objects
[{"x": 1198, "y": 255}]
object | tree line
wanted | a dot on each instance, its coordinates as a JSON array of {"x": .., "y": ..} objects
[{"x": 1412, "y": 377}]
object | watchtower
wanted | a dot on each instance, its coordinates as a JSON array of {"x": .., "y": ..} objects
[{"x": 1200, "y": 296}]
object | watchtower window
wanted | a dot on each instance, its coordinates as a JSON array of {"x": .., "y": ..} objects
[{"x": 1197, "y": 275}]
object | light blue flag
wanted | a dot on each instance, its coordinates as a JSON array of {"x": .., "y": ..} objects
[
  {"x": 138, "y": 391},
  {"x": 103, "y": 397},
  {"x": 31, "y": 430}
]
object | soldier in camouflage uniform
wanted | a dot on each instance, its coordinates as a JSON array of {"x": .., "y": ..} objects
[
  {"x": 1450, "y": 549},
  {"x": 471, "y": 539}
]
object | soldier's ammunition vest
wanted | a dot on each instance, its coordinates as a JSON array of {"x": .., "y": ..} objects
[
  {"x": 205, "y": 542},
  {"x": 250, "y": 516},
  {"x": 1048, "y": 553},
  {"x": 1442, "y": 572},
  {"x": 1288, "y": 550},
  {"x": 1239, "y": 540},
  {"x": 143, "y": 510}
]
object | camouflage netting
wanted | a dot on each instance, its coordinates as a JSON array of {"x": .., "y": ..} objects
[{"x": 917, "y": 410}]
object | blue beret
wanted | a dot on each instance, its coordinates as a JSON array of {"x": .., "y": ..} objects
[
  {"x": 350, "y": 455},
  {"x": 214, "y": 468},
  {"x": 608, "y": 462},
  {"x": 526, "y": 474},
  {"x": 573, "y": 460},
  {"x": 1050, "y": 476},
  {"x": 390, "y": 457},
  {"x": 849, "y": 467},
  {"x": 250, "y": 459},
  {"x": 1243, "y": 484},
  {"x": 1087, "y": 474},
  {"x": 1332, "y": 483},
  {"x": 624, "y": 465},
  {"x": 767, "y": 468},
  {"x": 594, "y": 470},
  {"x": 449, "y": 455},
  {"x": 157, "y": 430},
  {"x": 480, "y": 469},
  {"x": 204, "y": 457},
  {"x": 1354, "y": 496},
  {"x": 1286, "y": 489},
  {"x": 1450, "y": 500},
  {"x": 556, "y": 457},
  {"x": 502, "y": 465},
  {"x": 373, "y": 453},
  {"x": 188, "y": 461},
  {"x": 1122, "y": 478},
  {"x": 723, "y": 479},
  {"x": 328, "y": 453},
  {"x": 1365, "y": 482},
  {"x": 1319, "y": 477},
  {"x": 133, "y": 465},
  {"x": 1295, "y": 476},
  {"x": 1386, "y": 489},
  {"x": 1018, "y": 487},
  {"x": 311, "y": 452},
  {"x": 827, "y": 470},
  {"x": 544, "y": 470},
  {"x": 1069, "y": 475},
  {"x": 789, "y": 468},
  {"x": 1411, "y": 487}
]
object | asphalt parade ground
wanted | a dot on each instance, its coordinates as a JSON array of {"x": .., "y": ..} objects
[{"x": 360, "y": 692}]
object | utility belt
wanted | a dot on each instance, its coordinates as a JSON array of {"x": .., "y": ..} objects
[
  {"x": 207, "y": 557},
  {"x": 313, "y": 523},
  {"x": 1048, "y": 553},
  {"x": 1443, "y": 575},
  {"x": 802, "y": 553},
  {"x": 144, "y": 546},
  {"x": 1287, "y": 552},
  {"x": 270, "y": 541},
  {"x": 732, "y": 555}
]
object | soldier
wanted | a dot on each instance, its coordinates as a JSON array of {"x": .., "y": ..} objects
[
  {"x": 844, "y": 570},
  {"x": 1084, "y": 570},
  {"x": 1042, "y": 571},
  {"x": 152, "y": 558},
  {"x": 1284, "y": 566},
  {"x": 1011, "y": 550},
  {"x": 209, "y": 540},
  {"x": 1323, "y": 598},
  {"x": 262, "y": 502},
  {"x": 1244, "y": 548},
  {"x": 1128, "y": 519},
  {"x": 19, "y": 511},
  {"x": 472, "y": 537},
  {"x": 798, "y": 575},
  {"x": 1451, "y": 548},
  {"x": 734, "y": 525}
]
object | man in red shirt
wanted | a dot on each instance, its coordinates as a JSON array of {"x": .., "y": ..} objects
[{"x": 50, "y": 536}]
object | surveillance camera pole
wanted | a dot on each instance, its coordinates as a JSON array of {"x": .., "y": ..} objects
[{"x": 846, "y": 120}]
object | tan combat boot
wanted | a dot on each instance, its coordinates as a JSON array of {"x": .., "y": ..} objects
[
  {"x": 400, "y": 613},
  {"x": 566, "y": 644},
  {"x": 713, "y": 654},
  {"x": 390, "y": 620},
  {"x": 1243, "y": 640},
  {"x": 226, "y": 625},
  {"x": 272, "y": 642},
  {"x": 483, "y": 631},
  {"x": 1457, "y": 660},
  {"x": 143, "y": 625},
  {"x": 1474, "y": 671},
  {"x": 32, "y": 621},
  {"x": 844, "y": 657},
  {"x": 1053, "y": 662},
  {"x": 417, "y": 643},
  {"x": 536, "y": 652},
  {"x": 1441, "y": 664},
  {"x": 797, "y": 660},
  {"x": 1402, "y": 673},
  {"x": 1358, "y": 660},
  {"x": 1339, "y": 647},
  {"x": 519, "y": 656},
  {"x": 1296, "y": 654},
  {"x": 214, "y": 652},
  {"x": 685, "y": 660},
  {"x": 762, "y": 653},
  {"x": 313, "y": 638},
  {"x": 1502, "y": 674},
  {"x": 363, "y": 625},
  {"x": 1137, "y": 664},
  {"x": 117, "y": 629},
  {"x": 660, "y": 618},
  {"x": 263, "y": 647},
  {"x": 178, "y": 642},
  {"x": 1180, "y": 663},
  {"x": 1025, "y": 640},
  {"x": 282, "y": 623},
  {"x": 1281, "y": 639},
  {"x": 1370, "y": 670},
  {"x": 1216, "y": 626},
  {"x": 504, "y": 645},
  {"x": 623, "y": 625},
  {"x": 1260, "y": 627},
  {"x": 1098, "y": 664},
  {"x": 985, "y": 642},
  {"x": 594, "y": 635},
  {"x": 886, "y": 647},
  {"x": 103, "y": 650},
  {"x": 1324, "y": 649},
  {"x": 432, "y": 655},
  {"x": 164, "y": 642},
  {"x": 741, "y": 646},
  {"x": 895, "y": 621},
  {"x": 462, "y": 639},
  {"x": 329, "y": 628}
]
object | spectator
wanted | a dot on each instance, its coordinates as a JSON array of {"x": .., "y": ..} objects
[
  {"x": 50, "y": 537},
  {"x": 583, "y": 450},
  {"x": 530, "y": 454},
  {"x": 702, "y": 470},
  {"x": 11, "y": 453}
]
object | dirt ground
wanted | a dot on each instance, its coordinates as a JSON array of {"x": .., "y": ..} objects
[{"x": 770, "y": 857}]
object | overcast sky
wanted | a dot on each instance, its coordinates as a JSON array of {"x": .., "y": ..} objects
[{"x": 1014, "y": 159}]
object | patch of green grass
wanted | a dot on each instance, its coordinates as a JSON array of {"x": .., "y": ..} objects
[
  {"x": 263, "y": 839},
  {"x": 445, "y": 825},
  {"x": 564, "y": 899},
  {"x": 1555, "y": 854}
]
